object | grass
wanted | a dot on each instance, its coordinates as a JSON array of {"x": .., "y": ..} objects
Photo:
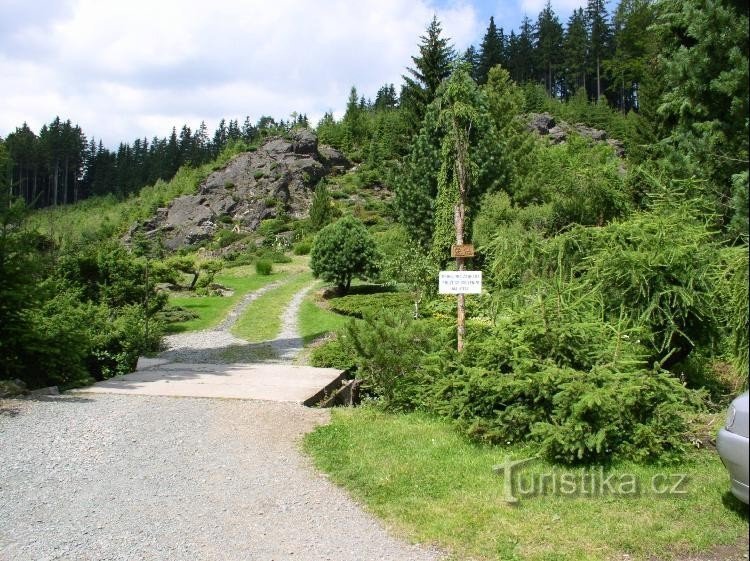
[
  {"x": 212, "y": 309},
  {"x": 262, "y": 319},
  {"x": 435, "y": 486},
  {"x": 316, "y": 321}
]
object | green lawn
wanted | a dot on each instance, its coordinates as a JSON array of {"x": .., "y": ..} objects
[
  {"x": 434, "y": 486},
  {"x": 262, "y": 319},
  {"x": 212, "y": 309},
  {"x": 315, "y": 321}
]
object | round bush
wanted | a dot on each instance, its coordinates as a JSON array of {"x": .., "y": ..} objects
[{"x": 263, "y": 267}]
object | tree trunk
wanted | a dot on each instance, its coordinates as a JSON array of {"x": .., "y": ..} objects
[
  {"x": 459, "y": 218},
  {"x": 65, "y": 183},
  {"x": 56, "y": 182},
  {"x": 598, "y": 81}
]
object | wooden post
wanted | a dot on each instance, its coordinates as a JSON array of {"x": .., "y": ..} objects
[
  {"x": 460, "y": 265},
  {"x": 462, "y": 139}
]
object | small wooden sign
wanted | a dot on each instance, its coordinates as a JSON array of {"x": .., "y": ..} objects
[{"x": 465, "y": 250}]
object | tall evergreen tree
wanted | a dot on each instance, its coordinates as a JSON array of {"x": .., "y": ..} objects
[
  {"x": 471, "y": 57},
  {"x": 574, "y": 52},
  {"x": 600, "y": 35},
  {"x": 491, "y": 51},
  {"x": 633, "y": 47},
  {"x": 431, "y": 66},
  {"x": 523, "y": 62},
  {"x": 548, "y": 42}
]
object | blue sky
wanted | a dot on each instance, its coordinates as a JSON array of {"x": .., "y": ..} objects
[{"x": 125, "y": 70}]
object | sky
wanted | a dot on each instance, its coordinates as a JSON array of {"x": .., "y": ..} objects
[{"x": 135, "y": 69}]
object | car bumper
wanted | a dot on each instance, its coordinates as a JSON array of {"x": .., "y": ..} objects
[{"x": 733, "y": 450}]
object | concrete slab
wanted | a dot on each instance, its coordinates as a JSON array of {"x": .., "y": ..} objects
[{"x": 270, "y": 382}]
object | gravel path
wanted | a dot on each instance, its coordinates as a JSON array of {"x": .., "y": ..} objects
[
  {"x": 219, "y": 346},
  {"x": 289, "y": 343},
  {"x": 132, "y": 478}
]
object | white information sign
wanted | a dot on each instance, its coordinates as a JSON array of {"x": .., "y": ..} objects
[{"x": 460, "y": 282}]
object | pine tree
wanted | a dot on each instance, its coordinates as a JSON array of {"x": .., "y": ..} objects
[
  {"x": 471, "y": 57},
  {"x": 523, "y": 63},
  {"x": 574, "y": 50},
  {"x": 548, "y": 42},
  {"x": 492, "y": 51},
  {"x": 431, "y": 67},
  {"x": 705, "y": 96},
  {"x": 600, "y": 35},
  {"x": 632, "y": 50},
  {"x": 321, "y": 211}
]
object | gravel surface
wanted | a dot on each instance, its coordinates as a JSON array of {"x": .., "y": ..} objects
[{"x": 131, "y": 478}]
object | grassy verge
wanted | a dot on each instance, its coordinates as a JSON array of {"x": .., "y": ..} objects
[
  {"x": 262, "y": 319},
  {"x": 315, "y": 321},
  {"x": 435, "y": 486},
  {"x": 212, "y": 309}
]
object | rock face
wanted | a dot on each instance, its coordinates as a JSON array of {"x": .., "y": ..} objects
[
  {"x": 280, "y": 174},
  {"x": 545, "y": 124}
]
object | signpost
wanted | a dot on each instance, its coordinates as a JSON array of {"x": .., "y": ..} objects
[{"x": 464, "y": 250}]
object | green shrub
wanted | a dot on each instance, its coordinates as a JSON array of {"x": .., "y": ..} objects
[
  {"x": 575, "y": 416},
  {"x": 373, "y": 305},
  {"x": 389, "y": 352},
  {"x": 226, "y": 237},
  {"x": 263, "y": 267},
  {"x": 344, "y": 250},
  {"x": 322, "y": 209},
  {"x": 272, "y": 226},
  {"x": 333, "y": 353},
  {"x": 302, "y": 248}
]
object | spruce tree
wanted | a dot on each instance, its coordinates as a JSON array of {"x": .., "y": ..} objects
[
  {"x": 492, "y": 51},
  {"x": 548, "y": 42},
  {"x": 600, "y": 35},
  {"x": 471, "y": 57},
  {"x": 431, "y": 67},
  {"x": 575, "y": 43}
]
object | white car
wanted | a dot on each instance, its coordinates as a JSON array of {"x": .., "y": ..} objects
[{"x": 732, "y": 444}]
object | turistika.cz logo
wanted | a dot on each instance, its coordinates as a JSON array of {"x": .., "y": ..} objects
[{"x": 593, "y": 482}]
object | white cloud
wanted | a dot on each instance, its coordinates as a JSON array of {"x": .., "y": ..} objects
[
  {"x": 129, "y": 69},
  {"x": 563, "y": 8}
]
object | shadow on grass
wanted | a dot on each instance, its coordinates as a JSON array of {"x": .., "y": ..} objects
[
  {"x": 733, "y": 504},
  {"x": 358, "y": 290}
]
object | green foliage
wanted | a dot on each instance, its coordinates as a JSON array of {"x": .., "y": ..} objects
[
  {"x": 333, "y": 353},
  {"x": 302, "y": 248},
  {"x": 372, "y": 305},
  {"x": 580, "y": 180},
  {"x": 263, "y": 267},
  {"x": 653, "y": 267},
  {"x": 425, "y": 210},
  {"x": 20, "y": 270},
  {"x": 389, "y": 349},
  {"x": 226, "y": 237},
  {"x": 703, "y": 69},
  {"x": 575, "y": 416},
  {"x": 343, "y": 250},
  {"x": 432, "y": 66},
  {"x": 322, "y": 210},
  {"x": 731, "y": 279},
  {"x": 67, "y": 318},
  {"x": 272, "y": 226},
  {"x": 403, "y": 262}
]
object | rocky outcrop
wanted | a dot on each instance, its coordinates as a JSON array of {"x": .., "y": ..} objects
[
  {"x": 280, "y": 175},
  {"x": 545, "y": 124}
]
